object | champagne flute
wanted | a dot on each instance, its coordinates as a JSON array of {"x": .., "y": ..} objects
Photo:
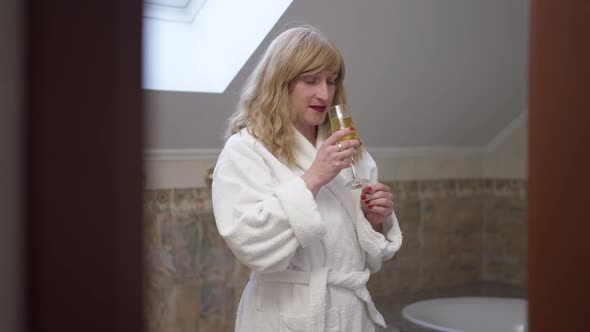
[{"x": 339, "y": 119}]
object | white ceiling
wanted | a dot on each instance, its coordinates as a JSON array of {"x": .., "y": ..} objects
[{"x": 434, "y": 73}]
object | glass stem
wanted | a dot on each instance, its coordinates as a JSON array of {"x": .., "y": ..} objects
[{"x": 353, "y": 169}]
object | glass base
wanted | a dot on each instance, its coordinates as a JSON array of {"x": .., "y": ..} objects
[{"x": 356, "y": 184}]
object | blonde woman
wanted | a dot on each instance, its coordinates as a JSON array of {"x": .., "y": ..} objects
[{"x": 280, "y": 203}]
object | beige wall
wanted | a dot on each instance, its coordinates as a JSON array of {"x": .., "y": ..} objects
[
  {"x": 504, "y": 157},
  {"x": 507, "y": 154},
  {"x": 177, "y": 173},
  {"x": 191, "y": 173},
  {"x": 10, "y": 106},
  {"x": 429, "y": 167}
]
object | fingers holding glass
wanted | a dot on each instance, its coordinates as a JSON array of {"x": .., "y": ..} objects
[{"x": 340, "y": 119}]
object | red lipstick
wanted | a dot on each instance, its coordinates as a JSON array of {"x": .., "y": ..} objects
[{"x": 318, "y": 108}]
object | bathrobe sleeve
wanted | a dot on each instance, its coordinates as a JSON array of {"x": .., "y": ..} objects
[
  {"x": 378, "y": 246},
  {"x": 262, "y": 219}
]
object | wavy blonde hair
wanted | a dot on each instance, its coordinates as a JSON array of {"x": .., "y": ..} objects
[{"x": 265, "y": 106}]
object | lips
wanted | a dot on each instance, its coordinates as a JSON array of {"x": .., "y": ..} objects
[{"x": 318, "y": 108}]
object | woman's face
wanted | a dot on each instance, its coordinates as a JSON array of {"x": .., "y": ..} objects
[{"x": 311, "y": 97}]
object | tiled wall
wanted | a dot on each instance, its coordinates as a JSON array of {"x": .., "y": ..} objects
[{"x": 455, "y": 232}]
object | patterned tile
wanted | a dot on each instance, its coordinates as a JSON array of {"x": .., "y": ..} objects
[
  {"x": 217, "y": 304},
  {"x": 510, "y": 188},
  {"x": 184, "y": 200},
  {"x": 410, "y": 279},
  {"x": 437, "y": 189},
  {"x": 217, "y": 261},
  {"x": 408, "y": 215},
  {"x": 158, "y": 200},
  {"x": 410, "y": 253},
  {"x": 511, "y": 271},
  {"x": 203, "y": 193},
  {"x": 488, "y": 186},
  {"x": 456, "y": 232},
  {"x": 403, "y": 190},
  {"x": 469, "y": 187},
  {"x": 178, "y": 244}
]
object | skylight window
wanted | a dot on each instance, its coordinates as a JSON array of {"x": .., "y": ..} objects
[{"x": 200, "y": 45}]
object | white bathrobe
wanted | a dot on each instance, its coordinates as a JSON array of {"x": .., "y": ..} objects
[{"x": 310, "y": 258}]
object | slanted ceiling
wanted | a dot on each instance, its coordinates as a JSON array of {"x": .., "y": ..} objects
[{"x": 420, "y": 73}]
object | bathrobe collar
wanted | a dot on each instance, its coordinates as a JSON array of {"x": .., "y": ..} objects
[{"x": 305, "y": 152}]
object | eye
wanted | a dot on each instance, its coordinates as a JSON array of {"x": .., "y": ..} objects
[
  {"x": 331, "y": 82},
  {"x": 310, "y": 80}
]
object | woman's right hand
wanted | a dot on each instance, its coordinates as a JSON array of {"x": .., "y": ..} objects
[{"x": 330, "y": 160}]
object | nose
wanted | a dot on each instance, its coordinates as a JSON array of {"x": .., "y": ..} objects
[{"x": 323, "y": 91}]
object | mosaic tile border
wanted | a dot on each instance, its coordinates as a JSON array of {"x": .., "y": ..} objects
[
  {"x": 199, "y": 199},
  {"x": 448, "y": 188}
]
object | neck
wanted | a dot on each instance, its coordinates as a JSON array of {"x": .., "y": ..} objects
[{"x": 309, "y": 132}]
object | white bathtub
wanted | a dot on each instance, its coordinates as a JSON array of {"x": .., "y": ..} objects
[{"x": 469, "y": 314}]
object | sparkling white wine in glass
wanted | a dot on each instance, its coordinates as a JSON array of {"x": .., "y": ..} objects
[
  {"x": 339, "y": 119},
  {"x": 337, "y": 123}
]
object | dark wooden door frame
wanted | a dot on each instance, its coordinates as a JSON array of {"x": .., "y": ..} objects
[
  {"x": 559, "y": 142},
  {"x": 83, "y": 191}
]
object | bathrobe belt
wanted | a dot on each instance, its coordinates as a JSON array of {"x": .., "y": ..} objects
[{"x": 318, "y": 280}]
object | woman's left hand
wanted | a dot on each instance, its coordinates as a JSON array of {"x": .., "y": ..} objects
[{"x": 377, "y": 204}]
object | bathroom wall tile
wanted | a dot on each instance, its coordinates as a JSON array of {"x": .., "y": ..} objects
[
  {"x": 467, "y": 212},
  {"x": 465, "y": 269},
  {"x": 374, "y": 284},
  {"x": 203, "y": 193},
  {"x": 436, "y": 228},
  {"x": 435, "y": 274},
  {"x": 217, "y": 261},
  {"x": 437, "y": 189},
  {"x": 456, "y": 232},
  {"x": 184, "y": 241},
  {"x": 409, "y": 279},
  {"x": 174, "y": 308},
  {"x": 159, "y": 279},
  {"x": 510, "y": 271},
  {"x": 433, "y": 212},
  {"x": 508, "y": 204},
  {"x": 184, "y": 200},
  {"x": 465, "y": 244},
  {"x": 204, "y": 205},
  {"x": 217, "y": 304},
  {"x": 510, "y": 188},
  {"x": 197, "y": 201},
  {"x": 488, "y": 186},
  {"x": 159, "y": 284},
  {"x": 403, "y": 190},
  {"x": 436, "y": 246},
  {"x": 157, "y": 200},
  {"x": 149, "y": 202},
  {"x": 386, "y": 281},
  {"x": 152, "y": 229},
  {"x": 410, "y": 253},
  {"x": 469, "y": 187},
  {"x": 183, "y": 308},
  {"x": 505, "y": 241},
  {"x": 407, "y": 212}
]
